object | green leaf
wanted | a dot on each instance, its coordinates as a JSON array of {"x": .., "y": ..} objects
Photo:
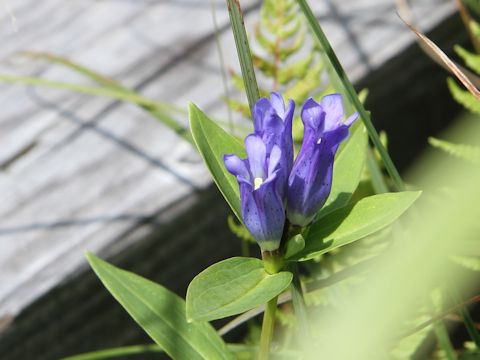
[
  {"x": 115, "y": 353},
  {"x": 354, "y": 222},
  {"x": 464, "y": 97},
  {"x": 466, "y": 152},
  {"x": 294, "y": 245},
  {"x": 347, "y": 169},
  {"x": 161, "y": 314},
  {"x": 231, "y": 287},
  {"x": 212, "y": 143}
]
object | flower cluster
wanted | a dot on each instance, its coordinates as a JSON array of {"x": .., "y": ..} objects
[{"x": 272, "y": 186}]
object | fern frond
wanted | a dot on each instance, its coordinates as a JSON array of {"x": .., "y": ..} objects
[
  {"x": 285, "y": 52},
  {"x": 466, "y": 152},
  {"x": 302, "y": 89},
  {"x": 463, "y": 97},
  {"x": 295, "y": 70},
  {"x": 472, "y": 60}
]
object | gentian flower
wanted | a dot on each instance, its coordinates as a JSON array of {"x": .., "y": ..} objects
[
  {"x": 273, "y": 123},
  {"x": 310, "y": 180},
  {"x": 261, "y": 194}
]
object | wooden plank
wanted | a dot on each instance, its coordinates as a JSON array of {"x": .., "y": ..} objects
[{"x": 78, "y": 172}]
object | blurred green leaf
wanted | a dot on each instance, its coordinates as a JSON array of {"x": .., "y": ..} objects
[
  {"x": 232, "y": 286},
  {"x": 464, "y": 97},
  {"x": 161, "y": 314},
  {"x": 466, "y": 152},
  {"x": 354, "y": 222},
  {"x": 472, "y": 60},
  {"x": 295, "y": 70},
  {"x": 212, "y": 143}
]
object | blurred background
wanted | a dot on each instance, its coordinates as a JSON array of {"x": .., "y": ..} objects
[{"x": 85, "y": 165}]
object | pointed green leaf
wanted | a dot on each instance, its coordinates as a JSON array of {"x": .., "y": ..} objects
[
  {"x": 347, "y": 169},
  {"x": 161, "y": 314},
  {"x": 212, "y": 143},
  {"x": 354, "y": 222},
  {"x": 231, "y": 287}
]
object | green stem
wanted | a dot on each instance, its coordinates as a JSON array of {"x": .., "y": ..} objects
[
  {"x": 443, "y": 340},
  {"x": 298, "y": 301},
  {"x": 463, "y": 312},
  {"x": 351, "y": 93},
  {"x": 378, "y": 182},
  {"x": 243, "y": 51},
  {"x": 267, "y": 328}
]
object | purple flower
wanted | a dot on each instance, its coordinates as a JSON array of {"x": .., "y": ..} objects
[
  {"x": 261, "y": 195},
  {"x": 310, "y": 180},
  {"x": 273, "y": 123}
]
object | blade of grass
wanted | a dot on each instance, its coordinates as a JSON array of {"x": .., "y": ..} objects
[
  {"x": 351, "y": 93},
  {"x": 115, "y": 353},
  {"x": 243, "y": 51},
  {"x": 222, "y": 65},
  {"x": 93, "y": 75},
  {"x": 157, "y": 109}
]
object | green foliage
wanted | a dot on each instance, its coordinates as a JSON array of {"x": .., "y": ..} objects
[
  {"x": 161, "y": 314},
  {"x": 232, "y": 286},
  {"x": 466, "y": 152},
  {"x": 243, "y": 51},
  {"x": 280, "y": 38},
  {"x": 354, "y": 222},
  {"x": 472, "y": 60},
  {"x": 345, "y": 87},
  {"x": 116, "y": 353},
  {"x": 212, "y": 143},
  {"x": 464, "y": 97}
]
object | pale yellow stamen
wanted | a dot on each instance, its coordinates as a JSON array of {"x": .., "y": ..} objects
[{"x": 257, "y": 183}]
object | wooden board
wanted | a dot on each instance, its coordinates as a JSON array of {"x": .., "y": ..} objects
[{"x": 80, "y": 172}]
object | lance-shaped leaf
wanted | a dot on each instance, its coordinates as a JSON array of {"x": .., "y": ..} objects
[
  {"x": 161, "y": 314},
  {"x": 212, "y": 143},
  {"x": 354, "y": 222},
  {"x": 231, "y": 287}
]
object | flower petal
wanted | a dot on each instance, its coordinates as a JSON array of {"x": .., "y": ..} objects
[
  {"x": 274, "y": 160},
  {"x": 236, "y": 166},
  {"x": 312, "y": 115},
  {"x": 351, "y": 119},
  {"x": 333, "y": 107},
  {"x": 257, "y": 155},
  {"x": 277, "y": 103},
  {"x": 260, "y": 111}
]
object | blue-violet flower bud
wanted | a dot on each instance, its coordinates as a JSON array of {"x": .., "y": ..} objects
[
  {"x": 261, "y": 196},
  {"x": 310, "y": 180},
  {"x": 273, "y": 123}
]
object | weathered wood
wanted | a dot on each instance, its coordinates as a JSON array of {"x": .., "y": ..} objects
[{"x": 78, "y": 172}]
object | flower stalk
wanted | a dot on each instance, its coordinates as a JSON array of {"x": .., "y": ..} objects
[{"x": 268, "y": 326}]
